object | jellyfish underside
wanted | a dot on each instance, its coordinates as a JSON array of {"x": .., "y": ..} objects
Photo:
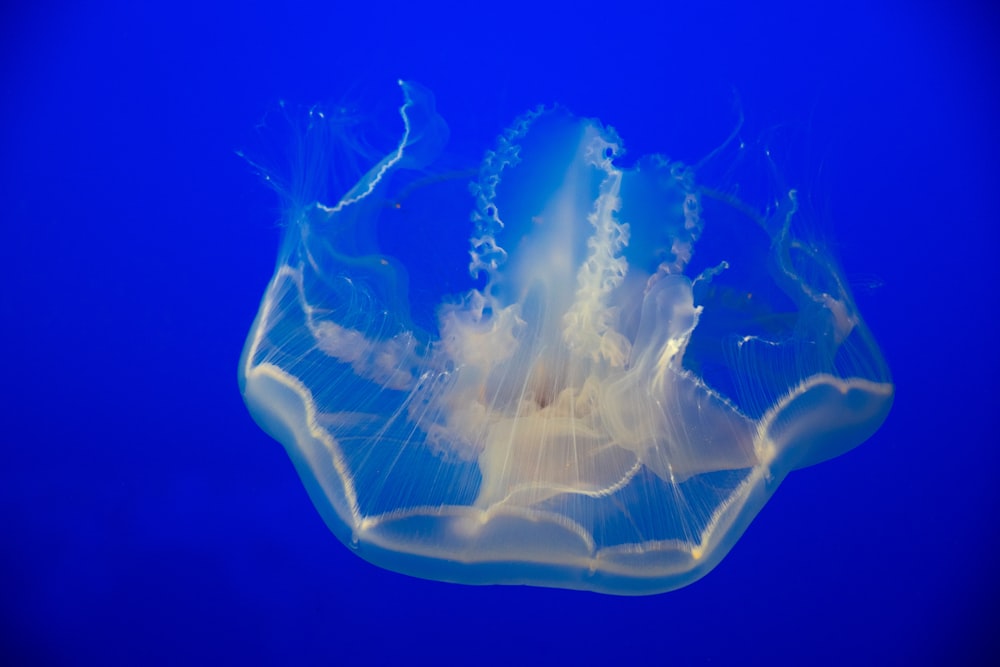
[{"x": 606, "y": 412}]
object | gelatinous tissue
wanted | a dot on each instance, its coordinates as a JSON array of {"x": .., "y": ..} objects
[{"x": 638, "y": 360}]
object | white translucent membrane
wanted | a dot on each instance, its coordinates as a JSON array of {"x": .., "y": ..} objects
[{"x": 568, "y": 425}]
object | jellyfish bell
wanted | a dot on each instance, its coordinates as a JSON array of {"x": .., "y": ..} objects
[{"x": 606, "y": 410}]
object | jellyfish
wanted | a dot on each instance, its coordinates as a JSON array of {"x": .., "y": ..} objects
[{"x": 635, "y": 361}]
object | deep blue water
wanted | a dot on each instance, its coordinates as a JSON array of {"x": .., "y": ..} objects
[{"x": 146, "y": 518}]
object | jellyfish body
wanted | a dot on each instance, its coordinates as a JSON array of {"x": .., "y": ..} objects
[{"x": 606, "y": 412}]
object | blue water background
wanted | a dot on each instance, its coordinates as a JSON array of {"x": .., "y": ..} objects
[{"x": 147, "y": 520}]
